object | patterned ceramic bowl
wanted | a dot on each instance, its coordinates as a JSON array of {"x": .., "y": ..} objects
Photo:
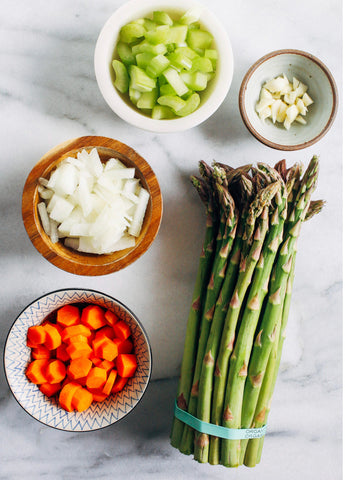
[{"x": 46, "y": 410}]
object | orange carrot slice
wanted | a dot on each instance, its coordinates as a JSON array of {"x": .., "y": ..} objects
[
  {"x": 93, "y": 317},
  {"x": 35, "y": 371},
  {"x": 77, "y": 339},
  {"x": 106, "y": 331},
  {"x": 61, "y": 353},
  {"x": 55, "y": 371},
  {"x": 107, "y": 349},
  {"x": 69, "y": 332},
  {"x": 78, "y": 349},
  {"x": 110, "y": 382},
  {"x": 95, "y": 359},
  {"x": 82, "y": 399},
  {"x": 53, "y": 337},
  {"x": 126, "y": 364},
  {"x": 123, "y": 346},
  {"x": 96, "y": 378},
  {"x": 99, "y": 396},
  {"x": 107, "y": 365},
  {"x": 68, "y": 315},
  {"x": 40, "y": 352},
  {"x": 67, "y": 394},
  {"x": 119, "y": 384},
  {"x": 79, "y": 368},
  {"x": 110, "y": 317},
  {"x": 36, "y": 335},
  {"x": 122, "y": 330},
  {"x": 50, "y": 389}
]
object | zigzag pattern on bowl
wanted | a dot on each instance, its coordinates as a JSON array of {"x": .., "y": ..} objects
[{"x": 99, "y": 415}]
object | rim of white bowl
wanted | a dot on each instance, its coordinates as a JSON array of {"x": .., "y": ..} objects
[
  {"x": 107, "y": 39},
  {"x": 244, "y": 114}
]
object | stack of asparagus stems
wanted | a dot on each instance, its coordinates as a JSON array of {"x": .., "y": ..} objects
[{"x": 237, "y": 321}]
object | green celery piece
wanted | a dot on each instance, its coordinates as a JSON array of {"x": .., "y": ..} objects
[
  {"x": 191, "y": 105},
  {"x": 179, "y": 60},
  {"x": 175, "y": 81},
  {"x": 191, "y": 16},
  {"x": 121, "y": 76},
  {"x": 134, "y": 95},
  {"x": 187, "y": 52},
  {"x": 199, "y": 39},
  {"x": 148, "y": 100},
  {"x": 157, "y": 66},
  {"x": 139, "y": 21},
  {"x": 177, "y": 34},
  {"x": 143, "y": 59},
  {"x": 160, "y": 112},
  {"x": 166, "y": 89},
  {"x": 125, "y": 53},
  {"x": 202, "y": 64},
  {"x": 140, "y": 80},
  {"x": 131, "y": 32},
  {"x": 196, "y": 81},
  {"x": 162, "y": 17},
  {"x": 159, "y": 35},
  {"x": 149, "y": 24},
  {"x": 212, "y": 54},
  {"x": 173, "y": 101},
  {"x": 162, "y": 80},
  {"x": 145, "y": 46}
]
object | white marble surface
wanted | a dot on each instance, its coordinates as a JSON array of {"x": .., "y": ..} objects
[{"x": 48, "y": 94}]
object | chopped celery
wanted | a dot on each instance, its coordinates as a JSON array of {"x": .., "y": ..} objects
[
  {"x": 162, "y": 17},
  {"x": 177, "y": 34},
  {"x": 125, "y": 53},
  {"x": 144, "y": 59},
  {"x": 179, "y": 60},
  {"x": 134, "y": 95},
  {"x": 157, "y": 65},
  {"x": 175, "y": 81},
  {"x": 199, "y": 39},
  {"x": 195, "y": 81},
  {"x": 192, "y": 15},
  {"x": 159, "y": 35},
  {"x": 130, "y": 32},
  {"x": 187, "y": 52},
  {"x": 149, "y": 24},
  {"x": 145, "y": 46},
  {"x": 148, "y": 99},
  {"x": 212, "y": 54},
  {"x": 160, "y": 112},
  {"x": 121, "y": 76},
  {"x": 191, "y": 105},
  {"x": 202, "y": 64},
  {"x": 166, "y": 89},
  {"x": 140, "y": 80},
  {"x": 172, "y": 101}
]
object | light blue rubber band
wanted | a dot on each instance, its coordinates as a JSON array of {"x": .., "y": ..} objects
[{"x": 218, "y": 430}]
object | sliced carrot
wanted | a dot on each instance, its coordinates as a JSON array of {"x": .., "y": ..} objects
[
  {"x": 107, "y": 365},
  {"x": 110, "y": 382},
  {"x": 108, "y": 349},
  {"x": 93, "y": 317},
  {"x": 96, "y": 378},
  {"x": 68, "y": 315},
  {"x": 126, "y": 364},
  {"x": 122, "y": 330},
  {"x": 110, "y": 317},
  {"x": 106, "y": 331},
  {"x": 77, "y": 339},
  {"x": 119, "y": 384},
  {"x": 81, "y": 381},
  {"x": 95, "y": 359},
  {"x": 69, "y": 332},
  {"x": 40, "y": 352},
  {"x": 79, "y": 368},
  {"x": 36, "y": 369},
  {"x": 82, "y": 399},
  {"x": 67, "y": 394},
  {"x": 123, "y": 346},
  {"x": 36, "y": 335},
  {"x": 61, "y": 353},
  {"x": 96, "y": 343},
  {"x": 50, "y": 389},
  {"x": 99, "y": 396},
  {"x": 78, "y": 349},
  {"x": 55, "y": 371},
  {"x": 53, "y": 337}
]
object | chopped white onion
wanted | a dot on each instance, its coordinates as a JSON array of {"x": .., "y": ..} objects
[{"x": 94, "y": 207}]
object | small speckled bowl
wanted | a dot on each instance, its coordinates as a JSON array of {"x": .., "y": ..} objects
[
  {"x": 321, "y": 88},
  {"x": 47, "y": 410}
]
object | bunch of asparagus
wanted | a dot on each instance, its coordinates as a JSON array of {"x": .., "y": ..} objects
[{"x": 237, "y": 321}]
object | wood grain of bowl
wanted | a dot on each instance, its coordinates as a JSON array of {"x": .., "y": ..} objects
[{"x": 71, "y": 260}]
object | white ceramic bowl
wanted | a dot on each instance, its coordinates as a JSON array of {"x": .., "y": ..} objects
[
  {"x": 47, "y": 410},
  {"x": 321, "y": 88},
  {"x": 213, "y": 95}
]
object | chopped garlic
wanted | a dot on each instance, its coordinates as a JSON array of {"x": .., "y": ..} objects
[{"x": 283, "y": 101}]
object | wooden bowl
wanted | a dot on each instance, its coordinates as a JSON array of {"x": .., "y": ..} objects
[{"x": 71, "y": 260}]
